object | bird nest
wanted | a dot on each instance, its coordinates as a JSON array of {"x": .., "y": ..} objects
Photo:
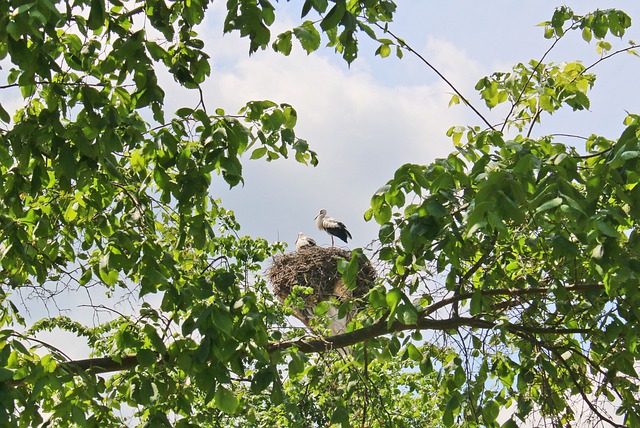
[{"x": 317, "y": 268}]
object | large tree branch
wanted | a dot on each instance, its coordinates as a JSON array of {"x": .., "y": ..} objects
[
  {"x": 101, "y": 365},
  {"x": 380, "y": 328}
]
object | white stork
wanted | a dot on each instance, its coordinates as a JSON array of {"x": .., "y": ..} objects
[
  {"x": 332, "y": 226},
  {"x": 304, "y": 242}
]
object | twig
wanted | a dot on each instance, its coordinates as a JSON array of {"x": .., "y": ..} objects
[
  {"x": 594, "y": 155},
  {"x": 517, "y": 101},
  {"x": 505, "y": 292},
  {"x": 609, "y": 56},
  {"x": 478, "y": 264},
  {"x": 533, "y": 121},
  {"x": 560, "y": 134},
  {"x": 404, "y": 45},
  {"x": 574, "y": 379}
]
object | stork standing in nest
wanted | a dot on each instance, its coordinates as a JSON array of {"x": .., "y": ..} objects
[{"x": 332, "y": 226}]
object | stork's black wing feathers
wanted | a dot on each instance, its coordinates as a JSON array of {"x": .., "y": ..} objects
[{"x": 339, "y": 231}]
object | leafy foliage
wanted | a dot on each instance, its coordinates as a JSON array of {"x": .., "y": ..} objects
[
  {"x": 536, "y": 243},
  {"x": 509, "y": 269}
]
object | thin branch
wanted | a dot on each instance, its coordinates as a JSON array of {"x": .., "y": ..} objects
[
  {"x": 112, "y": 364},
  {"x": 381, "y": 328},
  {"x": 517, "y": 101},
  {"x": 478, "y": 264},
  {"x": 609, "y": 56},
  {"x": 560, "y": 134},
  {"x": 594, "y": 155},
  {"x": 533, "y": 121},
  {"x": 46, "y": 82},
  {"x": 574, "y": 379},
  {"x": 506, "y": 292},
  {"x": 404, "y": 45}
]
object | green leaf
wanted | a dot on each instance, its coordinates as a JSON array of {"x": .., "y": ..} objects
[
  {"x": 386, "y": 233},
  {"x": 14, "y": 30},
  {"x": 393, "y": 297},
  {"x": 377, "y": 299},
  {"x": 261, "y": 381},
  {"x": 225, "y": 400},
  {"x": 322, "y": 308},
  {"x": 414, "y": 353},
  {"x": 476, "y": 303},
  {"x": 306, "y": 7},
  {"x": 452, "y": 406},
  {"x": 96, "y": 14},
  {"x": 5, "y": 374},
  {"x": 223, "y": 321},
  {"x": 333, "y": 17},
  {"x": 436, "y": 209},
  {"x": 4, "y": 115},
  {"x": 383, "y": 213},
  {"x": 631, "y": 154},
  {"x": 340, "y": 416},
  {"x": 607, "y": 229},
  {"x": 553, "y": 203},
  {"x": 407, "y": 314},
  {"x": 490, "y": 411},
  {"x": 71, "y": 213},
  {"x": 146, "y": 357},
  {"x": 184, "y": 112},
  {"x": 308, "y": 36},
  {"x": 296, "y": 365},
  {"x": 108, "y": 276},
  {"x": 283, "y": 44},
  {"x": 259, "y": 152},
  {"x": 155, "y": 50}
]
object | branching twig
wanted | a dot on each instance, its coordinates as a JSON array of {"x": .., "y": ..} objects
[
  {"x": 478, "y": 264},
  {"x": 533, "y": 121},
  {"x": 524, "y": 88},
  {"x": 574, "y": 379}
]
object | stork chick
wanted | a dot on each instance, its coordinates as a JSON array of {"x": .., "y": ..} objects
[{"x": 304, "y": 242}]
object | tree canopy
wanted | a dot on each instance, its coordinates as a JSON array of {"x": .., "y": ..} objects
[{"x": 508, "y": 272}]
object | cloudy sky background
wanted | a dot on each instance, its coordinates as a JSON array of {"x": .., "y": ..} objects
[{"x": 366, "y": 120}]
